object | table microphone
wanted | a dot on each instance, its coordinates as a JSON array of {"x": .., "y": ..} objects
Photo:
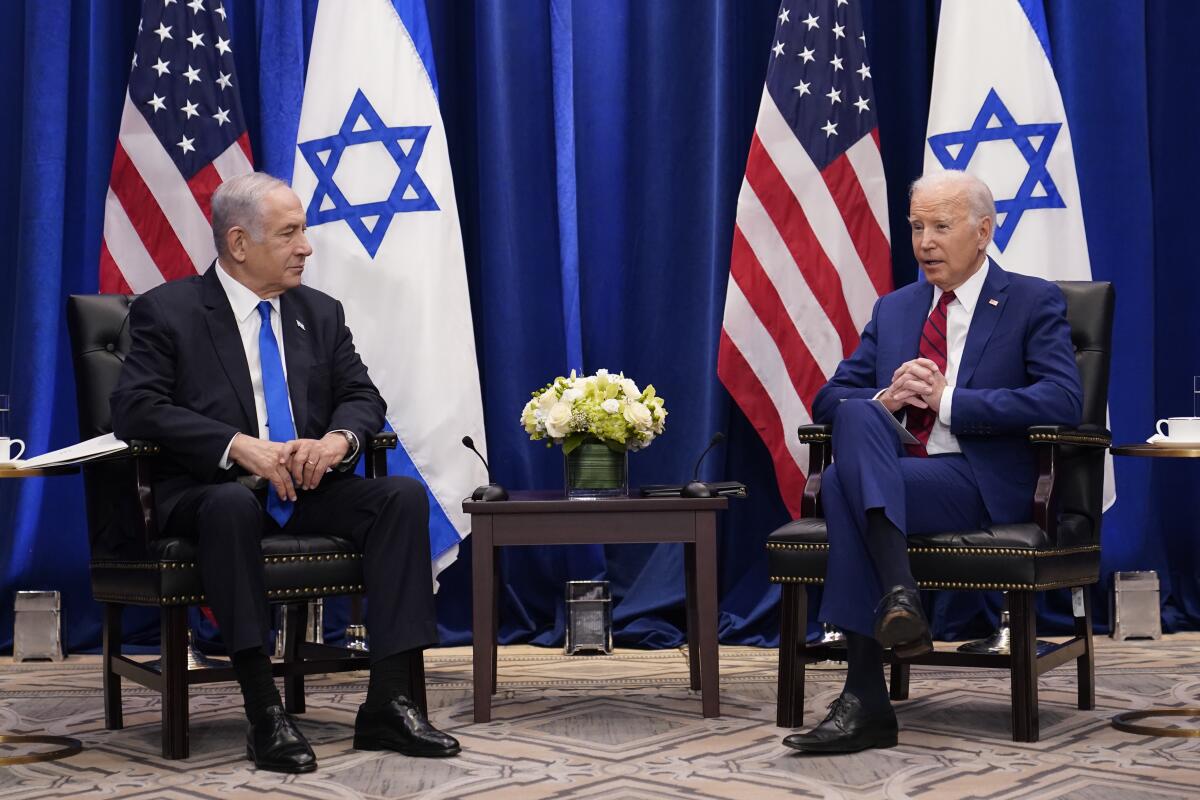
[
  {"x": 697, "y": 488},
  {"x": 493, "y": 491}
]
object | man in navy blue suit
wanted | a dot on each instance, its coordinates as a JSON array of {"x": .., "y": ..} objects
[
  {"x": 968, "y": 359},
  {"x": 251, "y": 384}
]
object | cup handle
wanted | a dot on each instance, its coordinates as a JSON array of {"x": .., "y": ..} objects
[
  {"x": 19, "y": 452},
  {"x": 1158, "y": 428}
]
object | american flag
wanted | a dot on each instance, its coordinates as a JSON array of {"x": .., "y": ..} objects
[
  {"x": 182, "y": 134},
  {"x": 811, "y": 250}
]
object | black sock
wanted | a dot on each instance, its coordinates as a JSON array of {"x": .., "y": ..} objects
[
  {"x": 253, "y": 670},
  {"x": 390, "y": 676},
  {"x": 889, "y": 551},
  {"x": 864, "y": 672}
]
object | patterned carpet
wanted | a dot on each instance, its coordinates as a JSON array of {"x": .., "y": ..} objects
[{"x": 626, "y": 727}]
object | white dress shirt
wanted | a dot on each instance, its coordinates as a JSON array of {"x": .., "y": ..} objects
[
  {"x": 959, "y": 313},
  {"x": 244, "y": 303}
]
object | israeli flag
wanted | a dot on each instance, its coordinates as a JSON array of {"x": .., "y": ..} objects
[
  {"x": 996, "y": 112},
  {"x": 373, "y": 172}
]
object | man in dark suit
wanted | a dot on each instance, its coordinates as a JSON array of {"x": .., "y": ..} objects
[
  {"x": 969, "y": 358},
  {"x": 243, "y": 373}
]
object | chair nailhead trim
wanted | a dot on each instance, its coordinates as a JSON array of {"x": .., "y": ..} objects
[
  {"x": 814, "y": 437},
  {"x": 1035, "y": 587},
  {"x": 1072, "y": 438},
  {"x": 157, "y": 565},
  {"x": 317, "y": 590},
  {"x": 957, "y": 551}
]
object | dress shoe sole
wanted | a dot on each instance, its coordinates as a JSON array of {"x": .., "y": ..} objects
[
  {"x": 914, "y": 649},
  {"x": 286, "y": 768},
  {"x": 839, "y": 747},
  {"x": 898, "y": 628},
  {"x": 372, "y": 743}
]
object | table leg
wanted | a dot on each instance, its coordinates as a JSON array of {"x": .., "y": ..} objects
[
  {"x": 706, "y": 609},
  {"x": 483, "y": 637},
  {"x": 693, "y": 619}
]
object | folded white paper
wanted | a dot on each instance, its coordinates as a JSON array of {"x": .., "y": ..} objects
[{"x": 76, "y": 453}]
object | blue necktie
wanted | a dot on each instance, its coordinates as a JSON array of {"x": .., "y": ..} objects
[{"x": 279, "y": 413}]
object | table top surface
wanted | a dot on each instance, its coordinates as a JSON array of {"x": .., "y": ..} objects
[
  {"x": 1169, "y": 450},
  {"x": 554, "y": 501},
  {"x": 8, "y": 471}
]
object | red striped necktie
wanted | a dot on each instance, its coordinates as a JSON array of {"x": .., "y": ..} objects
[{"x": 933, "y": 346}]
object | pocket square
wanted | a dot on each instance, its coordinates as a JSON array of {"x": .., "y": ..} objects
[{"x": 300, "y": 325}]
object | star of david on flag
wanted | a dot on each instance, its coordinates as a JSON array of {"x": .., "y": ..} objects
[
  {"x": 1036, "y": 153},
  {"x": 363, "y": 125}
]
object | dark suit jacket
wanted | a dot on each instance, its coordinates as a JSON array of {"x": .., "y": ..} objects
[
  {"x": 1017, "y": 370},
  {"x": 186, "y": 384}
]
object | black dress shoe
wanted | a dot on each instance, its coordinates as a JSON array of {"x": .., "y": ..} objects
[
  {"x": 276, "y": 744},
  {"x": 847, "y": 729},
  {"x": 401, "y": 726},
  {"x": 900, "y": 624}
]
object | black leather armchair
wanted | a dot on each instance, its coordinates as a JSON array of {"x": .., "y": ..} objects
[
  {"x": 132, "y": 565},
  {"x": 1059, "y": 549}
]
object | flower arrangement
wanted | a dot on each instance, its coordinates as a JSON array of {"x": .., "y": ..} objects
[{"x": 610, "y": 408}]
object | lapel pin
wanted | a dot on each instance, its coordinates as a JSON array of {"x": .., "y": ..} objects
[
  {"x": 300, "y": 324},
  {"x": 992, "y": 302}
]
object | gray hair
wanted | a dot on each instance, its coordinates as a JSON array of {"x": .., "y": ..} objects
[
  {"x": 979, "y": 197},
  {"x": 237, "y": 203}
]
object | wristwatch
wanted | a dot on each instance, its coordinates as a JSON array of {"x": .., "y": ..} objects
[{"x": 352, "y": 445}]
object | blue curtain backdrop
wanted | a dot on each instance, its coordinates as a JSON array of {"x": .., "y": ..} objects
[{"x": 598, "y": 150}]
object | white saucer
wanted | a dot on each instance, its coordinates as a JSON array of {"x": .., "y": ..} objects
[{"x": 1164, "y": 441}]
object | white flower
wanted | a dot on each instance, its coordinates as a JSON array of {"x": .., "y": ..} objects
[
  {"x": 631, "y": 389},
  {"x": 637, "y": 415},
  {"x": 558, "y": 421},
  {"x": 571, "y": 395},
  {"x": 611, "y": 406},
  {"x": 600, "y": 372},
  {"x": 547, "y": 401}
]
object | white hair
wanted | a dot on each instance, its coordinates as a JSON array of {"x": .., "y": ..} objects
[
  {"x": 237, "y": 203},
  {"x": 980, "y": 203}
]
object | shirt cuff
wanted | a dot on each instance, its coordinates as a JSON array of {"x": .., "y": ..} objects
[
  {"x": 225, "y": 463},
  {"x": 944, "y": 408}
]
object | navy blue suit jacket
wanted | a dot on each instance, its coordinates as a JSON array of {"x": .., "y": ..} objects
[
  {"x": 1017, "y": 370},
  {"x": 186, "y": 385}
]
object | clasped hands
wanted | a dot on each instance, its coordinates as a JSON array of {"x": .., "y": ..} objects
[
  {"x": 917, "y": 383},
  {"x": 298, "y": 464}
]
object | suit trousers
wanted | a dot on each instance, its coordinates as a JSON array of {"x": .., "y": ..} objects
[
  {"x": 387, "y": 519},
  {"x": 871, "y": 470}
]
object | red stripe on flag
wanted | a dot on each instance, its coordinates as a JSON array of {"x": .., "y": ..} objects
[
  {"x": 875, "y": 138},
  {"x": 147, "y": 218},
  {"x": 244, "y": 143},
  {"x": 111, "y": 279},
  {"x": 752, "y": 399},
  {"x": 202, "y": 186},
  {"x": 803, "y": 371},
  {"x": 872, "y": 246},
  {"x": 789, "y": 218}
]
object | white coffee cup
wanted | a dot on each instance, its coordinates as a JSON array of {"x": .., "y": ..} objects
[
  {"x": 1181, "y": 429},
  {"x": 6, "y": 449}
]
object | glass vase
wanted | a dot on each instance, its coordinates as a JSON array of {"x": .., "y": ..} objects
[{"x": 593, "y": 470}]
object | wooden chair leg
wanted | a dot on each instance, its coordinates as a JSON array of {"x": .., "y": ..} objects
[
  {"x": 1023, "y": 618},
  {"x": 416, "y": 671},
  {"x": 113, "y": 716},
  {"x": 293, "y": 685},
  {"x": 1085, "y": 665},
  {"x": 793, "y": 641},
  {"x": 497, "y": 578},
  {"x": 899, "y": 683},
  {"x": 173, "y": 646},
  {"x": 693, "y": 616}
]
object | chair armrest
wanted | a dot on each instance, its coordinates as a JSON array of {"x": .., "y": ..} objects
[
  {"x": 1084, "y": 435},
  {"x": 819, "y": 439},
  {"x": 376, "y": 463}
]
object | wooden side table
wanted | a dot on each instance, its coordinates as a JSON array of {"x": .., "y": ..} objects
[
  {"x": 547, "y": 518},
  {"x": 1124, "y": 722}
]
